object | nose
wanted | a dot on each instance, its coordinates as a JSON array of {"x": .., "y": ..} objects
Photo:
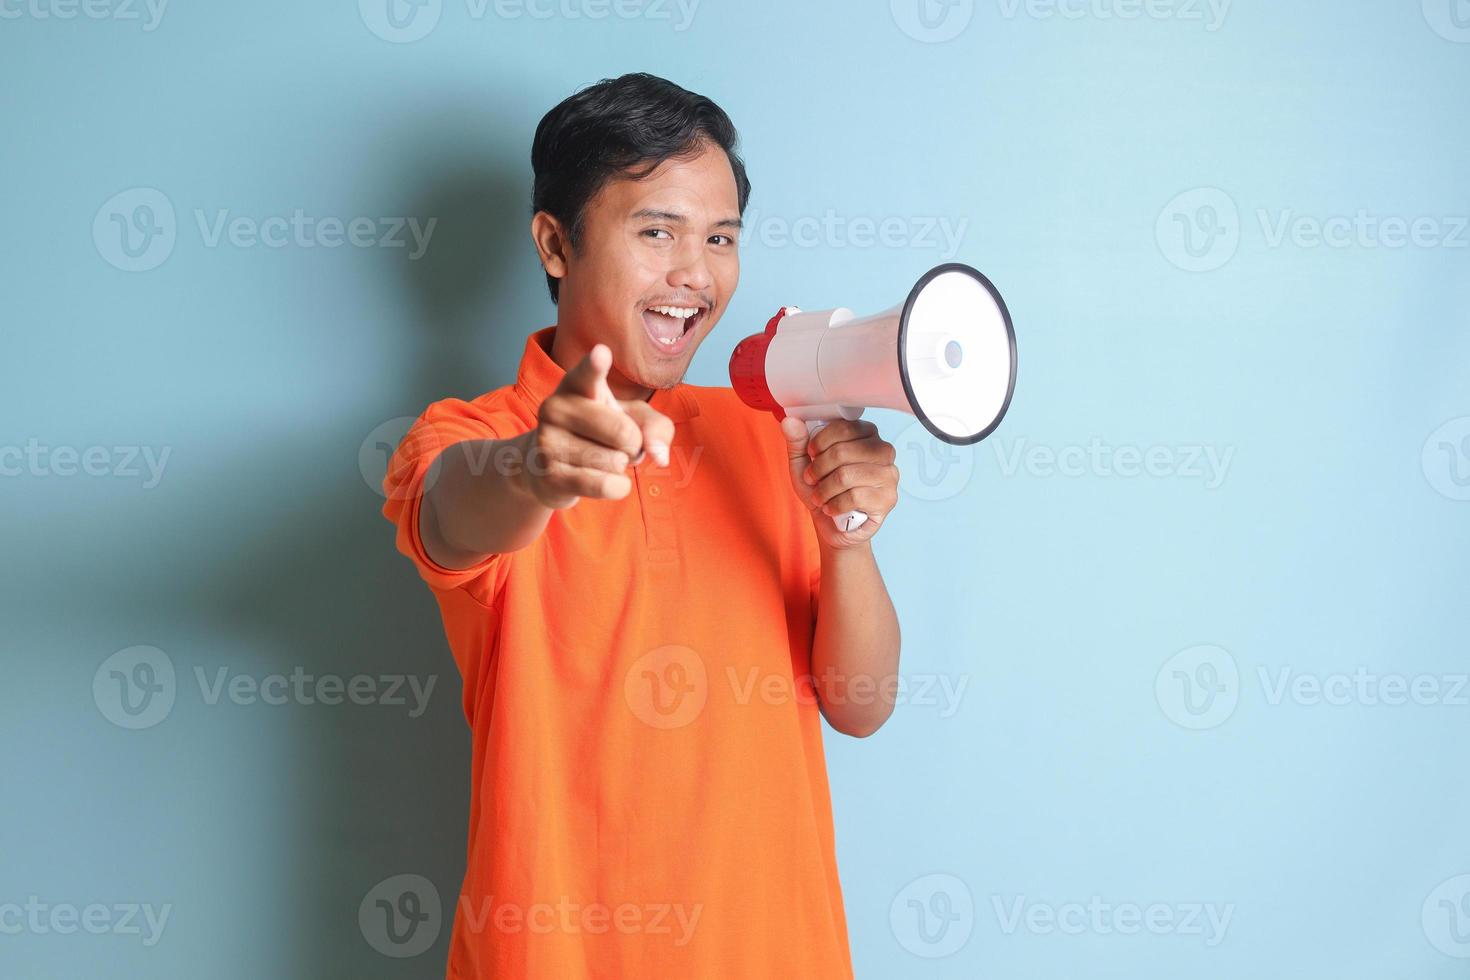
[{"x": 690, "y": 270}]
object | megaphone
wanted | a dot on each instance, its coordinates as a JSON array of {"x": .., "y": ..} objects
[{"x": 946, "y": 354}]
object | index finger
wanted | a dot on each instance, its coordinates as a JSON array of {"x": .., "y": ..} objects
[
  {"x": 657, "y": 429},
  {"x": 588, "y": 377},
  {"x": 841, "y": 430}
]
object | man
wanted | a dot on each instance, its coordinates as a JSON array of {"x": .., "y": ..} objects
[{"x": 642, "y": 587}]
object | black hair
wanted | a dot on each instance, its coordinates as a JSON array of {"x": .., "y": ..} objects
[{"x": 621, "y": 127}]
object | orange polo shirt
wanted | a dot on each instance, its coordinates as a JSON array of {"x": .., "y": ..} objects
[{"x": 649, "y": 796}]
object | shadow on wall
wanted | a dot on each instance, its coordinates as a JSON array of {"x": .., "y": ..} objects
[
  {"x": 462, "y": 344},
  {"x": 376, "y": 793},
  {"x": 481, "y": 255}
]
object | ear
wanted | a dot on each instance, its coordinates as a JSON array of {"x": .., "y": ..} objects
[{"x": 551, "y": 244}]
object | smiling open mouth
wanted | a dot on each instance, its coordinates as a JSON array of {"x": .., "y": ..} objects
[{"x": 671, "y": 326}]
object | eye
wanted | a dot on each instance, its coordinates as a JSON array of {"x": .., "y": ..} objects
[
  {"x": 722, "y": 240},
  {"x": 655, "y": 231}
]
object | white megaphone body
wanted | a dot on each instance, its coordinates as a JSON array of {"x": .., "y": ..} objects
[{"x": 946, "y": 354}]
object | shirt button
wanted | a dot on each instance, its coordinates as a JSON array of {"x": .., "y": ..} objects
[{"x": 655, "y": 490}]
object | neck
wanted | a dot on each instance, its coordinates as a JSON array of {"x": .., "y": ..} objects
[{"x": 567, "y": 349}]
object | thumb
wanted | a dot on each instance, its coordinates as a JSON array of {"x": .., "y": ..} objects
[{"x": 794, "y": 430}]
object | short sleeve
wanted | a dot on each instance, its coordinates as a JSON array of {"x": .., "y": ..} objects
[{"x": 411, "y": 472}]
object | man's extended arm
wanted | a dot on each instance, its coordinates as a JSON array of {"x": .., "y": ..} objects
[{"x": 495, "y": 496}]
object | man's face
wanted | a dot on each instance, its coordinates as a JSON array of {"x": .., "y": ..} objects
[{"x": 667, "y": 241}]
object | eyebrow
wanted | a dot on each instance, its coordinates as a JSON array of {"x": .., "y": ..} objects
[{"x": 678, "y": 219}]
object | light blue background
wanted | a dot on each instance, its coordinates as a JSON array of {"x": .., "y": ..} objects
[{"x": 1335, "y": 539}]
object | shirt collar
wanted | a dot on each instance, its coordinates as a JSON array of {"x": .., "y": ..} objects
[{"x": 539, "y": 375}]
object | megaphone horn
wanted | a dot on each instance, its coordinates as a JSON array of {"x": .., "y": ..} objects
[{"x": 946, "y": 354}]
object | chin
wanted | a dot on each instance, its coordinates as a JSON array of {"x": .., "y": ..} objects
[{"x": 665, "y": 376}]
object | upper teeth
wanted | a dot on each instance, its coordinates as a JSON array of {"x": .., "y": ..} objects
[{"x": 682, "y": 312}]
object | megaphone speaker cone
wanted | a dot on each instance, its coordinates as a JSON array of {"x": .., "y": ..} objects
[{"x": 957, "y": 353}]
